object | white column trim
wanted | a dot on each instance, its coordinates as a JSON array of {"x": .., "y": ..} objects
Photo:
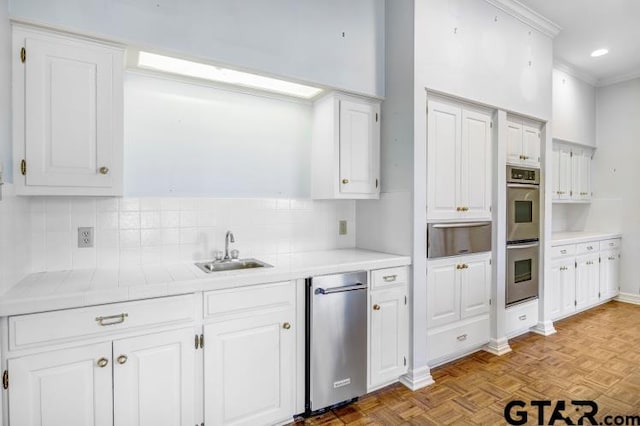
[
  {"x": 417, "y": 379},
  {"x": 498, "y": 347}
]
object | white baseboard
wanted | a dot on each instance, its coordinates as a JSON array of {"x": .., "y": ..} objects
[
  {"x": 544, "y": 328},
  {"x": 628, "y": 298},
  {"x": 417, "y": 379},
  {"x": 497, "y": 347}
]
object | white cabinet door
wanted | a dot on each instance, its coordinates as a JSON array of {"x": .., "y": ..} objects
[
  {"x": 609, "y": 274},
  {"x": 514, "y": 142},
  {"x": 359, "y": 147},
  {"x": 581, "y": 175},
  {"x": 555, "y": 173},
  {"x": 389, "y": 335},
  {"x": 154, "y": 379},
  {"x": 587, "y": 280},
  {"x": 475, "y": 165},
  {"x": 563, "y": 287},
  {"x": 443, "y": 292},
  {"x": 66, "y": 387},
  {"x": 72, "y": 108},
  {"x": 564, "y": 173},
  {"x": 443, "y": 147},
  {"x": 530, "y": 146},
  {"x": 249, "y": 370},
  {"x": 554, "y": 292},
  {"x": 475, "y": 282}
]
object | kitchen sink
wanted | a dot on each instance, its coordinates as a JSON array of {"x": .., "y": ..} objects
[{"x": 232, "y": 265}]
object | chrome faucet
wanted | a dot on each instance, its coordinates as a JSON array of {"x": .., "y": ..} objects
[{"x": 229, "y": 238}]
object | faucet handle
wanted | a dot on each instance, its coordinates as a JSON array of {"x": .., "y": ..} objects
[
  {"x": 219, "y": 254},
  {"x": 235, "y": 253}
]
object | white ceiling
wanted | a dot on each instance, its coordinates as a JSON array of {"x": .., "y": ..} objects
[{"x": 588, "y": 25}]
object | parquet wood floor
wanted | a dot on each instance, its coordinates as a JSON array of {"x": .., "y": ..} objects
[{"x": 594, "y": 355}]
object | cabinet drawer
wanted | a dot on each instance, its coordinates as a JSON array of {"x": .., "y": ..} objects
[
  {"x": 239, "y": 302},
  {"x": 68, "y": 324},
  {"x": 457, "y": 338},
  {"x": 521, "y": 317},
  {"x": 590, "y": 247},
  {"x": 390, "y": 276},
  {"x": 560, "y": 251},
  {"x": 610, "y": 244}
]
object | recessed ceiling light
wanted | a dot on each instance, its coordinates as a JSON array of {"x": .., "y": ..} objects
[
  {"x": 599, "y": 52},
  {"x": 224, "y": 75}
]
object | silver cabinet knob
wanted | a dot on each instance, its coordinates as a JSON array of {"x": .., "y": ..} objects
[
  {"x": 104, "y": 170},
  {"x": 286, "y": 326},
  {"x": 122, "y": 359},
  {"x": 102, "y": 362}
]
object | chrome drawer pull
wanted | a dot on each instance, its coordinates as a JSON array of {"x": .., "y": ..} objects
[
  {"x": 112, "y": 319},
  {"x": 611, "y": 244},
  {"x": 390, "y": 278},
  {"x": 589, "y": 247},
  {"x": 522, "y": 317},
  {"x": 563, "y": 251},
  {"x": 462, "y": 337}
]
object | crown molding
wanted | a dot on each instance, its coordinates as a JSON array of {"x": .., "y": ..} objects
[
  {"x": 617, "y": 79},
  {"x": 572, "y": 71},
  {"x": 528, "y": 16}
]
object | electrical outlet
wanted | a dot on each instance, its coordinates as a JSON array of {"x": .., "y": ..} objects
[
  {"x": 342, "y": 227},
  {"x": 85, "y": 237}
]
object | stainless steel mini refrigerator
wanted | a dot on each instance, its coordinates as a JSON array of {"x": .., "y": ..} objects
[{"x": 336, "y": 339}]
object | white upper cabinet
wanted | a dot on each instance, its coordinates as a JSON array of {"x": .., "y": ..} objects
[
  {"x": 571, "y": 172},
  {"x": 67, "y": 99},
  {"x": 345, "y": 152},
  {"x": 523, "y": 143},
  {"x": 458, "y": 162}
]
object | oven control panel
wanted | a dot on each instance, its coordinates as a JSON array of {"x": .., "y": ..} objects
[{"x": 523, "y": 175}]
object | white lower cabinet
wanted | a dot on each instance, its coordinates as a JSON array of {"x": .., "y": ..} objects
[
  {"x": 458, "y": 300},
  {"x": 249, "y": 370},
  {"x": 140, "y": 381},
  {"x": 70, "y": 387},
  {"x": 583, "y": 275},
  {"x": 154, "y": 379},
  {"x": 521, "y": 317},
  {"x": 250, "y": 354},
  {"x": 388, "y": 329}
]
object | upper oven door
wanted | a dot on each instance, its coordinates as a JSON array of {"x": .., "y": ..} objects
[{"x": 523, "y": 212}]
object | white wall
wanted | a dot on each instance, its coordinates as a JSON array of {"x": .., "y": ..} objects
[
  {"x": 471, "y": 49},
  {"x": 5, "y": 93},
  {"x": 615, "y": 173},
  {"x": 14, "y": 238},
  {"x": 186, "y": 139},
  {"x": 300, "y": 39},
  {"x": 574, "y": 109}
]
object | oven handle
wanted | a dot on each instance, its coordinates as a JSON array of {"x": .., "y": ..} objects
[
  {"x": 461, "y": 225},
  {"x": 523, "y": 185},
  {"x": 522, "y": 246}
]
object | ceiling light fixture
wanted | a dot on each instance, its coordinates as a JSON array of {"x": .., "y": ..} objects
[
  {"x": 599, "y": 52},
  {"x": 224, "y": 75}
]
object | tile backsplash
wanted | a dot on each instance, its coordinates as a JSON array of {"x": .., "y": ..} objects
[{"x": 135, "y": 231}]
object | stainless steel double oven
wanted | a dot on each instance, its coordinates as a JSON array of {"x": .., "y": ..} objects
[{"x": 523, "y": 233}]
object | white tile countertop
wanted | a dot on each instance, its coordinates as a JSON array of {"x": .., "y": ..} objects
[
  {"x": 563, "y": 238},
  {"x": 47, "y": 291}
]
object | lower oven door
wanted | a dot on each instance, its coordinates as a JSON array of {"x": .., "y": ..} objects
[{"x": 522, "y": 272}]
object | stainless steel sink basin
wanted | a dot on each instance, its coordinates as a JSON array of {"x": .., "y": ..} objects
[{"x": 232, "y": 265}]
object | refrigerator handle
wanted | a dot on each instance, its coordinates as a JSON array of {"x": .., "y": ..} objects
[{"x": 358, "y": 286}]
